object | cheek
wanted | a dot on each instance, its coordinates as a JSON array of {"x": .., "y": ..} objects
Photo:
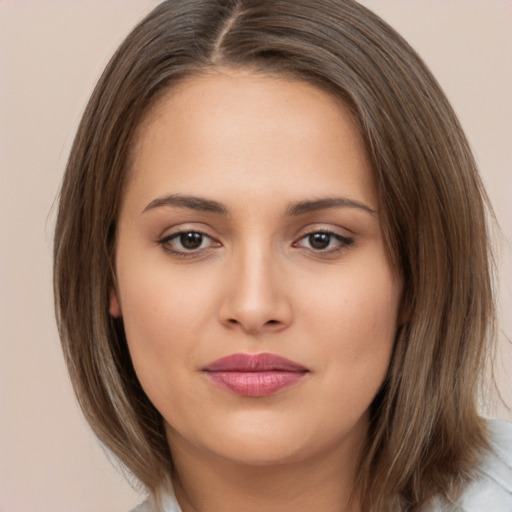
[
  {"x": 360, "y": 303},
  {"x": 158, "y": 300},
  {"x": 358, "y": 319},
  {"x": 162, "y": 314}
]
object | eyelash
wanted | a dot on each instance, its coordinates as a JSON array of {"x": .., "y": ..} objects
[
  {"x": 165, "y": 242},
  {"x": 343, "y": 241}
]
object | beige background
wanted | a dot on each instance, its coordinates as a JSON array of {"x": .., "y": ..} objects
[{"x": 51, "y": 54}]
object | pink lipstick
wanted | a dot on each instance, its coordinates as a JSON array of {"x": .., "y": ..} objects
[{"x": 254, "y": 375}]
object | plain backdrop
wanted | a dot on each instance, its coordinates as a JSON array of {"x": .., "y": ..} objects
[{"x": 51, "y": 54}]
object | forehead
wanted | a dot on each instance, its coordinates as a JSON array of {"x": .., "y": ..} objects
[{"x": 226, "y": 126}]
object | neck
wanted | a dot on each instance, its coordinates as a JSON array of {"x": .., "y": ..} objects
[{"x": 206, "y": 482}]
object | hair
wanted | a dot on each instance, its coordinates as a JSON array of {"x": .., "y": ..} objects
[{"x": 425, "y": 432}]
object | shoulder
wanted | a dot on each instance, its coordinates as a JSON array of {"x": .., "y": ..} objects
[
  {"x": 165, "y": 502},
  {"x": 143, "y": 507},
  {"x": 498, "y": 466},
  {"x": 492, "y": 487}
]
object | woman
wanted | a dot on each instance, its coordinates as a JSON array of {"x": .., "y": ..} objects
[{"x": 272, "y": 268}]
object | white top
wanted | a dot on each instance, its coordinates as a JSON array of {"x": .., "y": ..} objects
[{"x": 490, "y": 491}]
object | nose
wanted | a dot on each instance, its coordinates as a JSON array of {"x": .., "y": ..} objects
[{"x": 255, "y": 297}]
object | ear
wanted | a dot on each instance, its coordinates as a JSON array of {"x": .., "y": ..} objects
[{"x": 114, "y": 305}]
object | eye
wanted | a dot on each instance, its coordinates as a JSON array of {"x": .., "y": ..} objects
[
  {"x": 324, "y": 241},
  {"x": 187, "y": 242}
]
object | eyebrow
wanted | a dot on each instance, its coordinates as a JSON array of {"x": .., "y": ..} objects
[
  {"x": 190, "y": 202},
  {"x": 323, "y": 204},
  {"x": 294, "y": 209}
]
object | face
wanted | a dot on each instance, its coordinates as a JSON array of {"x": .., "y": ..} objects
[{"x": 259, "y": 307}]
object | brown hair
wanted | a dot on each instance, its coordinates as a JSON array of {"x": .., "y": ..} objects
[{"x": 425, "y": 433}]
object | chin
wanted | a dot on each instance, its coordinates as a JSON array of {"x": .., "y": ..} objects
[
  {"x": 267, "y": 442},
  {"x": 261, "y": 453}
]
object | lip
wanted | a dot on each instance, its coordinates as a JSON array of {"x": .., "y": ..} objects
[{"x": 255, "y": 375}]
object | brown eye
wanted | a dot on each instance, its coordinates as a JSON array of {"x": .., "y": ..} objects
[
  {"x": 324, "y": 241},
  {"x": 191, "y": 240},
  {"x": 187, "y": 242},
  {"x": 319, "y": 240}
]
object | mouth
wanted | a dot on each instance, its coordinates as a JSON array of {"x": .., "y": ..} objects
[{"x": 255, "y": 375}]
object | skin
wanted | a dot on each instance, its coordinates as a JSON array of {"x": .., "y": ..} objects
[{"x": 256, "y": 144}]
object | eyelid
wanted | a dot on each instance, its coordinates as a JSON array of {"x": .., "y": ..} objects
[
  {"x": 320, "y": 227},
  {"x": 176, "y": 234},
  {"x": 165, "y": 242},
  {"x": 172, "y": 233},
  {"x": 177, "y": 228},
  {"x": 343, "y": 241}
]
